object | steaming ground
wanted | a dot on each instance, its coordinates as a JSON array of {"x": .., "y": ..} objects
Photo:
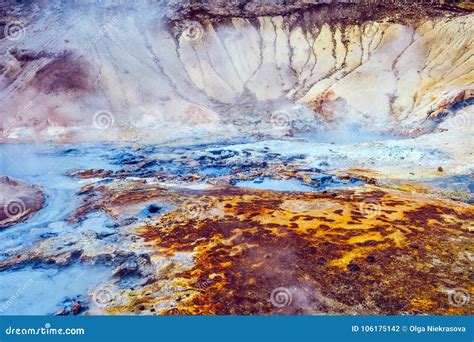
[
  {"x": 125, "y": 117},
  {"x": 48, "y": 165},
  {"x": 77, "y": 72}
]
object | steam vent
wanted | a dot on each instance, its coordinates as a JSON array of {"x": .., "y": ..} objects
[{"x": 257, "y": 157}]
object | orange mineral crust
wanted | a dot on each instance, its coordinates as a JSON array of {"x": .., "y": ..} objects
[{"x": 357, "y": 251}]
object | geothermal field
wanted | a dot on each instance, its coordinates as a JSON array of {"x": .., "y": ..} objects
[{"x": 236, "y": 157}]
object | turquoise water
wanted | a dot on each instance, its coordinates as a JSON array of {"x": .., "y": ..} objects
[
  {"x": 293, "y": 184},
  {"x": 275, "y": 184}
]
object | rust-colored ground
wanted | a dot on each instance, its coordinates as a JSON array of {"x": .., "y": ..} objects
[{"x": 359, "y": 251}]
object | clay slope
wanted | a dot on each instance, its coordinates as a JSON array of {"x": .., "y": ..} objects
[{"x": 115, "y": 72}]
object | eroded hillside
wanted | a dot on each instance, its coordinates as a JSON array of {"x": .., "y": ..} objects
[
  {"x": 201, "y": 68},
  {"x": 237, "y": 157}
]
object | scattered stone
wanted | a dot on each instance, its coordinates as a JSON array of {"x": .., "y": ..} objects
[
  {"x": 353, "y": 267},
  {"x": 153, "y": 208},
  {"x": 370, "y": 259},
  {"x": 91, "y": 173},
  {"x": 73, "y": 306},
  {"x": 128, "y": 268}
]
